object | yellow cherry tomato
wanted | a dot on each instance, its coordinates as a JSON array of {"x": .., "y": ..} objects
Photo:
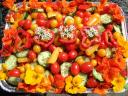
[
  {"x": 53, "y": 23},
  {"x": 94, "y": 62},
  {"x": 39, "y": 69},
  {"x": 27, "y": 66},
  {"x": 77, "y": 20},
  {"x": 59, "y": 17},
  {"x": 116, "y": 35},
  {"x": 102, "y": 52},
  {"x": 37, "y": 48},
  {"x": 34, "y": 15},
  {"x": 79, "y": 26},
  {"x": 80, "y": 60},
  {"x": 69, "y": 22},
  {"x": 31, "y": 32},
  {"x": 49, "y": 9},
  {"x": 33, "y": 27}
]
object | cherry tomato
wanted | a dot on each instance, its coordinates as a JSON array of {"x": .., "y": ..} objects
[
  {"x": 37, "y": 48},
  {"x": 75, "y": 69},
  {"x": 41, "y": 22},
  {"x": 39, "y": 69},
  {"x": 85, "y": 20},
  {"x": 49, "y": 9},
  {"x": 48, "y": 23},
  {"x": 21, "y": 23},
  {"x": 55, "y": 68},
  {"x": 59, "y": 17},
  {"x": 53, "y": 23},
  {"x": 94, "y": 62},
  {"x": 34, "y": 26},
  {"x": 71, "y": 47},
  {"x": 40, "y": 16},
  {"x": 63, "y": 56},
  {"x": 86, "y": 67},
  {"x": 87, "y": 14},
  {"x": 58, "y": 77},
  {"x": 52, "y": 48},
  {"x": 14, "y": 73},
  {"x": 72, "y": 54},
  {"x": 92, "y": 83},
  {"x": 27, "y": 24},
  {"x": 101, "y": 52},
  {"x": 80, "y": 60},
  {"x": 80, "y": 14},
  {"x": 32, "y": 55}
]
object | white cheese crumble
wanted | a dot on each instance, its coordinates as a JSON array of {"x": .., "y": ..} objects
[
  {"x": 91, "y": 31},
  {"x": 43, "y": 33},
  {"x": 66, "y": 31}
]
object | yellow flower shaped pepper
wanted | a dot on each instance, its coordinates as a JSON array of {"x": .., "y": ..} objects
[
  {"x": 122, "y": 42},
  {"x": 73, "y": 85},
  {"x": 2, "y": 75},
  {"x": 32, "y": 78},
  {"x": 118, "y": 83},
  {"x": 44, "y": 86}
]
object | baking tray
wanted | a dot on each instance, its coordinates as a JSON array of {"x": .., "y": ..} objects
[{"x": 9, "y": 88}]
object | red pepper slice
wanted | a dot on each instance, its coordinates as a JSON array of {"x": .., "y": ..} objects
[
  {"x": 23, "y": 35},
  {"x": 96, "y": 39},
  {"x": 64, "y": 41},
  {"x": 85, "y": 44},
  {"x": 83, "y": 7},
  {"x": 108, "y": 38},
  {"x": 42, "y": 43}
]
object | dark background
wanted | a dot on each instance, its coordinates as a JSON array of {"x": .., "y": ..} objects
[{"x": 3, "y": 12}]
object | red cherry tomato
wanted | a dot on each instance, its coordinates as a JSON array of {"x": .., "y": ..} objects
[
  {"x": 85, "y": 20},
  {"x": 75, "y": 69},
  {"x": 63, "y": 56},
  {"x": 55, "y": 68},
  {"x": 52, "y": 48},
  {"x": 27, "y": 24},
  {"x": 21, "y": 23},
  {"x": 87, "y": 14},
  {"x": 86, "y": 67},
  {"x": 80, "y": 14},
  {"x": 48, "y": 25},
  {"x": 41, "y": 22},
  {"x": 71, "y": 47},
  {"x": 14, "y": 73},
  {"x": 92, "y": 83},
  {"x": 40, "y": 16},
  {"x": 32, "y": 55},
  {"x": 58, "y": 77},
  {"x": 72, "y": 54}
]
